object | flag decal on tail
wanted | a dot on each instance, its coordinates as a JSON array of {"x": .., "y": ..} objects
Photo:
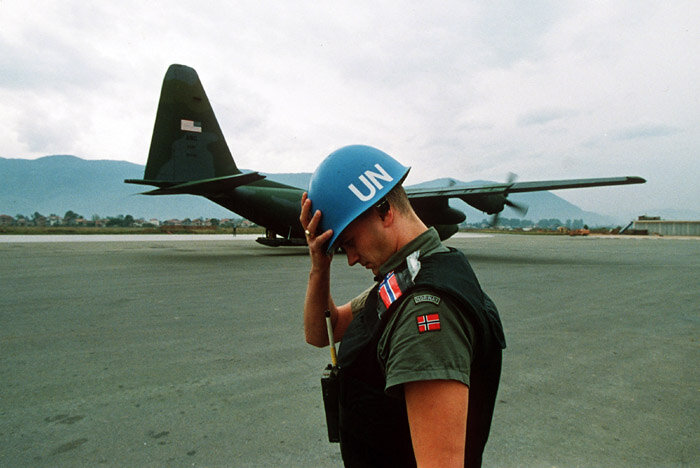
[{"x": 191, "y": 126}]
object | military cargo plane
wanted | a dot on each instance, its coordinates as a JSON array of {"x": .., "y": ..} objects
[{"x": 189, "y": 155}]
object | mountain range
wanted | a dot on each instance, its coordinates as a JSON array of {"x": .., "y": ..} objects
[{"x": 56, "y": 184}]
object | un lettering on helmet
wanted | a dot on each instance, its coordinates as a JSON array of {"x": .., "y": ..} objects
[{"x": 371, "y": 180}]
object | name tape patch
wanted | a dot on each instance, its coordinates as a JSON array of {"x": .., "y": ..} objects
[{"x": 426, "y": 298}]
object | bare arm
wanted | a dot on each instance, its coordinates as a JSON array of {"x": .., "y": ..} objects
[
  {"x": 318, "y": 296},
  {"x": 437, "y": 416},
  {"x": 318, "y": 299}
]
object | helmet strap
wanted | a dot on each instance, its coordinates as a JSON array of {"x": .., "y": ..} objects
[{"x": 382, "y": 207}]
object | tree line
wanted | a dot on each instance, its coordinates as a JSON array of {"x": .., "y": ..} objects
[{"x": 71, "y": 218}]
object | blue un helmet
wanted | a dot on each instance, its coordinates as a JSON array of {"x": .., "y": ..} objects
[{"x": 349, "y": 182}]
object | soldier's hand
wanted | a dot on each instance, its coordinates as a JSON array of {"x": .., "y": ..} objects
[{"x": 310, "y": 223}]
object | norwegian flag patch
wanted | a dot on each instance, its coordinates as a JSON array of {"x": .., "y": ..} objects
[
  {"x": 428, "y": 322},
  {"x": 389, "y": 290}
]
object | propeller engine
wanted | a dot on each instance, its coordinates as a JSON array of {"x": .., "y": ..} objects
[
  {"x": 520, "y": 208},
  {"x": 493, "y": 204}
]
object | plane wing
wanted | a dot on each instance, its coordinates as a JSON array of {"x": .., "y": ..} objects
[
  {"x": 515, "y": 187},
  {"x": 492, "y": 198}
]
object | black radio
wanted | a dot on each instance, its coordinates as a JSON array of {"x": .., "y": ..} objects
[{"x": 329, "y": 388}]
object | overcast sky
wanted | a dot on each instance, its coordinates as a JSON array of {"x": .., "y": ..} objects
[{"x": 469, "y": 90}]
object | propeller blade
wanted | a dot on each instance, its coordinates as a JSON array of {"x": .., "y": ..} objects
[
  {"x": 494, "y": 220},
  {"x": 520, "y": 208}
]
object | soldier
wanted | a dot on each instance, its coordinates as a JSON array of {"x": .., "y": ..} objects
[{"x": 420, "y": 353}]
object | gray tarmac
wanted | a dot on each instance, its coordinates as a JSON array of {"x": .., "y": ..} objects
[{"x": 191, "y": 353}]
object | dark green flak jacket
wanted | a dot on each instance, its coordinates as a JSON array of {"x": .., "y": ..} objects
[{"x": 374, "y": 428}]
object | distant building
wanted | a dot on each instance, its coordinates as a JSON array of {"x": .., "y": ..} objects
[
  {"x": 6, "y": 220},
  {"x": 655, "y": 225}
]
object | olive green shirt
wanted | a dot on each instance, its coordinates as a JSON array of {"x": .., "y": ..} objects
[{"x": 414, "y": 345}]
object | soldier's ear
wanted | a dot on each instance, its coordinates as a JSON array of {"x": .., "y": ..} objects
[{"x": 388, "y": 216}]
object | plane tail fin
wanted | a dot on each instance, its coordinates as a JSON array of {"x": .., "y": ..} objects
[{"x": 187, "y": 143}]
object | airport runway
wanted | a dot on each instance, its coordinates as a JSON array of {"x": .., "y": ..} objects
[{"x": 191, "y": 353}]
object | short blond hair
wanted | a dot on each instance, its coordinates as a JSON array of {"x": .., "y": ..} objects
[{"x": 398, "y": 200}]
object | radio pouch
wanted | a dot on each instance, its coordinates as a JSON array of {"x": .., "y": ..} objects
[{"x": 329, "y": 387}]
